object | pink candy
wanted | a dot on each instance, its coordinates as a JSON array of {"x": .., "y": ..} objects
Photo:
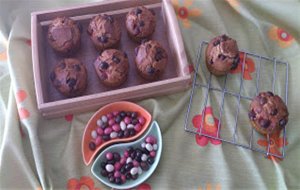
[
  {"x": 123, "y": 178},
  {"x": 127, "y": 120},
  {"x": 135, "y": 163},
  {"x": 117, "y": 174},
  {"x": 109, "y": 126},
  {"x": 109, "y": 156},
  {"x": 137, "y": 127},
  {"x": 111, "y": 122},
  {"x": 151, "y": 139},
  {"x": 153, "y": 154},
  {"x": 126, "y": 154},
  {"x": 98, "y": 141},
  {"x": 117, "y": 166},
  {"x": 107, "y": 130},
  {"x": 109, "y": 115},
  {"x": 123, "y": 160},
  {"x": 99, "y": 131},
  {"x": 141, "y": 120},
  {"x": 116, "y": 127}
]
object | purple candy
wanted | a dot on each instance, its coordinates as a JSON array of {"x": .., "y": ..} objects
[
  {"x": 107, "y": 130},
  {"x": 127, "y": 120},
  {"x": 151, "y": 139},
  {"x": 109, "y": 156},
  {"x": 123, "y": 160},
  {"x": 117, "y": 174},
  {"x": 117, "y": 166},
  {"x": 136, "y": 163},
  {"x": 123, "y": 178},
  {"x": 111, "y": 122},
  {"x": 126, "y": 154}
]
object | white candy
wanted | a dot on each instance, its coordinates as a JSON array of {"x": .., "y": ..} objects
[
  {"x": 129, "y": 159},
  {"x": 134, "y": 171},
  {"x": 149, "y": 147},
  {"x": 140, "y": 171},
  {"x": 122, "y": 125},
  {"x": 143, "y": 145},
  {"x": 113, "y": 135},
  {"x": 130, "y": 126},
  {"x": 155, "y": 146},
  {"x": 144, "y": 157},
  {"x": 94, "y": 134},
  {"x": 109, "y": 168},
  {"x": 104, "y": 118},
  {"x": 99, "y": 122}
]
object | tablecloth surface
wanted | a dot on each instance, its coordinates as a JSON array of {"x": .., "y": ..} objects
[{"x": 36, "y": 153}]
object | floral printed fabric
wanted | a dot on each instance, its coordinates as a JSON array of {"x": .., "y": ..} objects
[
  {"x": 36, "y": 153},
  {"x": 209, "y": 127},
  {"x": 186, "y": 12}
]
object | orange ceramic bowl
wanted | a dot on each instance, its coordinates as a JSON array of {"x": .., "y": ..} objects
[{"x": 87, "y": 153}]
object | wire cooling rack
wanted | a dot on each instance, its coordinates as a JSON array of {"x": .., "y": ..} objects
[{"x": 204, "y": 84}]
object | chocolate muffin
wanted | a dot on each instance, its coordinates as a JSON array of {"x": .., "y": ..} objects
[
  {"x": 69, "y": 77},
  {"x": 140, "y": 23},
  {"x": 222, "y": 55},
  {"x": 112, "y": 67},
  {"x": 151, "y": 59},
  {"x": 268, "y": 113},
  {"x": 104, "y": 31},
  {"x": 64, "y": 35}
]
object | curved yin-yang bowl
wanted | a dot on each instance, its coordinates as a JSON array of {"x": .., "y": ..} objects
[
  {"x": 88, "y": 154},
  {"x": 154, "y": 130}
]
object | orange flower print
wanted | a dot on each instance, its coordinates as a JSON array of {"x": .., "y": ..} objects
[
  {"x": 248, "y": 68},
  {"x": 21, "y": 95},
  {"x": 234, "y": 3},
  {"x": 144, "y": 186},
  {"x": 3, "y": 56},
  {"x": 185, "y": 12},
  {"x": 189, "y": 69},
  {"x": 69, "y": 117},
  {"x": 282, "y": 37},
  {"x": 23, "y": 113},
  {"x": 210, "y": 128},
  {"x": 276, "y": 142},
  {"x": 28, "y": 42},
  {"x": 209, "y": 186},
  {"x": 85, "y": 183}
]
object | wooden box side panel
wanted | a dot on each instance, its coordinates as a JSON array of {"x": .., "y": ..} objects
[
  {"x": 174, "y": 37},
  {"x": 92, "y": 8},
  {"x": 135, "y": 93},
  {"x": 38, "y": 57}
]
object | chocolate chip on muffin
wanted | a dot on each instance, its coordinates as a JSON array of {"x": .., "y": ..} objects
[
  {"x": 268, "y": 113},
  {"x": 151, "y": 59},
  {"x": 222, "y": 55},
  {"x": 69, "y": 77},
  {"x": 105, "y": 32},
  {"x": 140, "y": 23},
  {"x": 112, "y": 67},
  {"x": 64, "y": 35}
]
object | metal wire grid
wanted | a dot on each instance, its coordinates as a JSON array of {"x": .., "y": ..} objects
[{"x": 200, "y": 86}]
